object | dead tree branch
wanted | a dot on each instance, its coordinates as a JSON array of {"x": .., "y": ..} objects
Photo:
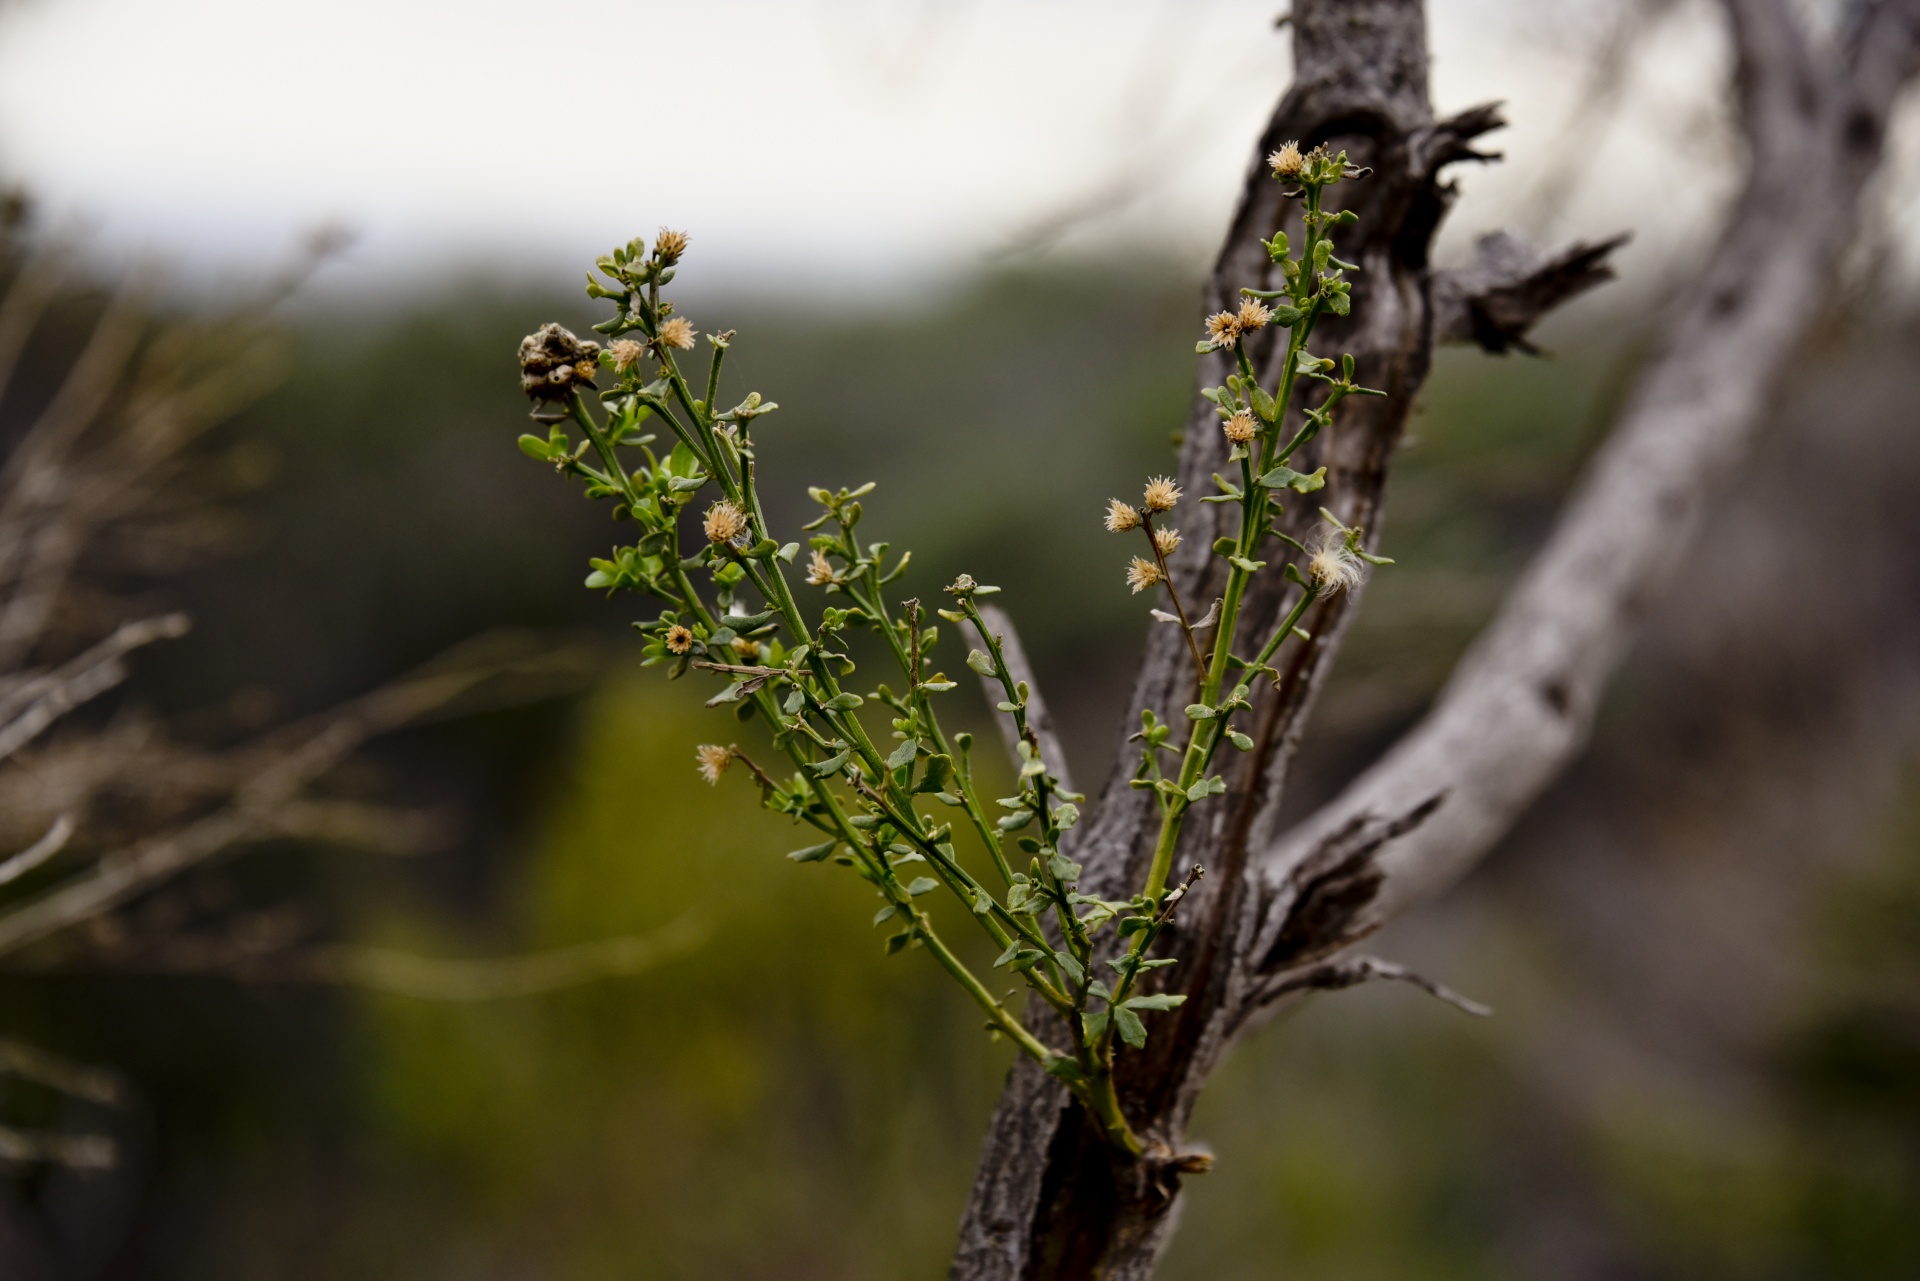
[{"x": 1039, "y": 719}]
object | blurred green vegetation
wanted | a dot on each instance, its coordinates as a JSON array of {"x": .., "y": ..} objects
[{"x": 787, "y": 1103}]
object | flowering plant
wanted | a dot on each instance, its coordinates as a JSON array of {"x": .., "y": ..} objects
[{"x": 865, "y": 800}]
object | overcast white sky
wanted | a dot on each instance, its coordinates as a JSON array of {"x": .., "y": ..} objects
[{"x": 880, "y": 141}]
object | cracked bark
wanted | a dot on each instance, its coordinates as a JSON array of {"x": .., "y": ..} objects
[{"x": 1050, "y": 1203}]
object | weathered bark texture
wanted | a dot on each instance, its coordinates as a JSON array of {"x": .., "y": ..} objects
[{"x": 1050, "y": 1202}]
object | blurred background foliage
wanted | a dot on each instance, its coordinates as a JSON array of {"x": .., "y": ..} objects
[{"x": 1702, "y": 946}]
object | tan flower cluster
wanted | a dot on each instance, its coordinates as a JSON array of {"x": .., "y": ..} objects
[
  {"x": 677, "y": 331},
  {"x": 1166, "y": 541},
  {"x": 679, "y": 639},
  {"x": 1142, "y": 574},
  {"x": 1241, "y": 428},
  {"x": 1120, "y": 517},
  {"x": 819, "y": 570},
  {"x": 726, "y": 523},
  {"x": 626, "y": 354},
  {"x": 1225, "y": 328},
  {"x": 1287, "y": 162},
  {"x": 1161, "y": 494},
  {"x": 713, "y": 760}
]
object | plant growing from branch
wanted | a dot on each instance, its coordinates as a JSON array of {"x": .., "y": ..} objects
[{"x": 705, "y": 550}]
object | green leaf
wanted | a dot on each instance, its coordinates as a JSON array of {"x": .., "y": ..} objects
[
  {"x": 1064, "y": 869},
  {"x": 534, "y": 447},
  {"x": 832, "y": 765},
  {"x": 922, "y": 885},
  {"x": 979, "y": 662},
  {"x": 886, "y": 913},
  {"x": 1129, "y": 1026},
  {"x": 1067, "y": 962},
  {"x": 1095, "y": 1025},
  {"x": 1014, "y": 822},
  {"x": 813, "y": 853},
  {"x": 1161, "y": 1001},
  {"x": 899, "y": 941},
  {"x": 843, "y": 702},
  {"x": 1200, "y": 712},
  {"x": 903, "y": 754},
  {"x": 1249, "y": 566},
  {"x": 788, "y": 552},
  {"x": 1240, "y": 740},
  {"x": 1299, "y": 482},
  {"x": 1013, "y": 949},
  {"x": 1262, "y": 403},
  {"x": 934, "y": 778}
]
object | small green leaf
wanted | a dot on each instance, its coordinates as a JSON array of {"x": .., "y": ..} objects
[
  {"x": 903, "y": 754},
  {"x": 899, "y": 941},
  {"x": 1014, "y": 822},
  {"x": 1095, "y": 1025},
  {"x": 1248, "y": 566},
  {"x": 1129, "y": 1026},
  {"x": 534, "y": 447},
  {"x": 1064, "y": 869},
  {"x": 1200, "y": 712},
  {"x": 979, "y": 662},
  {"x": 843, "y": 702},
  {"x": 788, "y": 552},
  {"x": 886, "y": 913},
  {"x": 1071, "y": 966},
  {"x": 1240, "y": 740},
  {"x": 1161, "y": 1001},
  {"x": 813, "y": 853},
  {"x": 922, "y": 885},
  {"x": 832, "y": 765}
]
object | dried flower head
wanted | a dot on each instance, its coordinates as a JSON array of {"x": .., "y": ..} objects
[
  {"x": 1254, "y": 314},
  {"x": 1335, "y": 566},
  {"x": 1241, "y": 428},
  {"x": 1287, "y": 162},
  {"x": 1166, "y": 540},
  {"x": 714, "y": 760},
  {"x": 726, "y": 523},
  {"x": 1223, "y": 329},
  {"x": 1120, "y": 517},
  {"x": 679, "y": 638},
  {"x": 553, "y": 362},
  {"x": 819, "y": 569},
  {"x": 1161, "y": 494},
  {"x": 677, "y": 331},
  {"x": 669, "y": 245},
  {"x": 626, "y": 354},
  {"x": 1142, "y": 574}
]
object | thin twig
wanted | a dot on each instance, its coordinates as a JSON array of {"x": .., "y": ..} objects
[
  {"x": 40, "y": 851},
  {"x": 1332, "y": 976}
]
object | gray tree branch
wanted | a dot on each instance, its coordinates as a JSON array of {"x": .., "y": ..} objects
[{"x": 1521, "y": 703}]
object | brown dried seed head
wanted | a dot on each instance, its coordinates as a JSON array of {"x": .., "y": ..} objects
[
  {"x": 552, "y": 360},
  {"x": 1120, "y": 517},
  {"x": 679, "y": 639},
  {"x": 819, "y": 569}
]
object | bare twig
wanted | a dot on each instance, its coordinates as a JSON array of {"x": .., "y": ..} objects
[
  {"x": 39, "y": 852},
  {"x": 1039, "y": 719},
  {"x": 1510, "y": 286},
  {"x": 1351, "y": 971},
  {"x": 43, "y": 700},
  {"x": 30, "y": 1063},
  {"x": 75, "y": 1151}
]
